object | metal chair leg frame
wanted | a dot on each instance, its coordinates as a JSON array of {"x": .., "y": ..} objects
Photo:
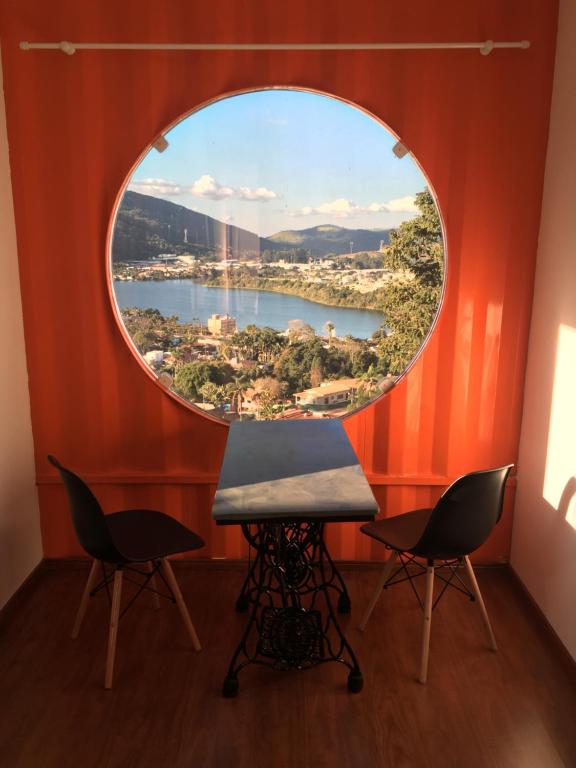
[
  {"x": 480, "y": 601},
  {"x": 155, "y": 597},
  {"x": 92, "y": 576},
  {"x": 384, "y": 577}
]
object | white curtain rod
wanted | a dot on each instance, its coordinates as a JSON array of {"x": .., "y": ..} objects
[{"x": 485, "y": 47}]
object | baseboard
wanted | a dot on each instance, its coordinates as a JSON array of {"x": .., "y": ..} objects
[
  {"x": 551, "y": 635},
  {"x": 14, "y": 602},
  {"x": 222, "y": 563}
]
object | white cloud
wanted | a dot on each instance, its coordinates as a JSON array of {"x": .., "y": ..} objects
[
  {"x": 156, "y": 187},
  {"x": 342, "y": 208},
  {"x": 262, "y": 194},
  {"x": 207, "y": 186},
  {"x": 405, "y": 204}
]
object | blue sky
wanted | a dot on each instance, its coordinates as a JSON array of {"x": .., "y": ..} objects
[{"x": 281, "y": 159}]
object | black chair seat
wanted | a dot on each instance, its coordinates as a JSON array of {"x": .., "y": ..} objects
[
  {"x": 401, "y": 532},
  {"x": 144, "y": 534}
]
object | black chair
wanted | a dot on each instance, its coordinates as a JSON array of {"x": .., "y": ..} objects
[
  {"x": 460, "y": 522},
  {"x": 124, "y": 540}
]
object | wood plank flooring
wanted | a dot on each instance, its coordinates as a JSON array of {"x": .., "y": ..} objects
[{"x": 511, "y": 709}]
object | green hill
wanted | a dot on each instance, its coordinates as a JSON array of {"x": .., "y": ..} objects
[
  {"x": 148, "y": 226},
  {"x": 327, "y": 238}
]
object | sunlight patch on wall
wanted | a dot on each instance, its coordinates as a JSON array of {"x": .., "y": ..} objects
[{"x": 560, "y": 455}]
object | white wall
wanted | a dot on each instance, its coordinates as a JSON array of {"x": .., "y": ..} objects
[
  {"x": 544, "y": 537},
  {"x": 20, "y": 543}
]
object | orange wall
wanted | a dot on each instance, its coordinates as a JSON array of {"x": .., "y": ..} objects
[{"x": 76, "y": 125}]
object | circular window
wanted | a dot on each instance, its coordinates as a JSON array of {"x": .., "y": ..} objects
[{"x": 277, "y": 254}]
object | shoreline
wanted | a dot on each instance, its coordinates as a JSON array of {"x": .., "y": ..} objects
[
  {"x": 294, "y": 293},
  {"x": 297, "y": 294}
]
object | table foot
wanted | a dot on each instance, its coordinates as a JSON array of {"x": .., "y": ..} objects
[
  {"x": 355, "y": 682},
  {"x": 230, "y": 687}
]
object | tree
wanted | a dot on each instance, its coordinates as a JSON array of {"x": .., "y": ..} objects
[
  {"x": 417, "y": 244},
  {"x": 294, "y": 366},
  {"x": 316, "y": 372},
  {"x": 267, "y": 406},
  {"x": 212, "y": 393},
  {"x": 362, "y": 359},
  {"x": 259, "y": 344},
  {"x": 235, "y": 392},
  {"x": 409, "y": 307},
  {"x": 190, "y": 377},
  {"x": 269, "y": 391}
]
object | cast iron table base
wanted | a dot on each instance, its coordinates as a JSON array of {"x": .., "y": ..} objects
[{"x": 288, "y": 584}]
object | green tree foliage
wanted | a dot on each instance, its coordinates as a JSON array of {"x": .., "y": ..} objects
[
  {"x": 235, "y": 391},
  {"x": 213, "y": 393},
  {"x": 316, "y": 372},
  {"x": 295, "y": 364},
  {"x": 363, "y": 359},
  {"x": 417, "y": 244},
  {"x": 293, "y": 256},
  {"x": 410, "y": 307},
  {"x": 365, "y": 261},
  {"x": 149, "y": 329},
  {"x": 259, "y": 344},
  {"x": 190, "y": 378}
]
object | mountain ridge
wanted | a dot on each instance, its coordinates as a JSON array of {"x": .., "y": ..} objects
[{"x": 147, "y": 226}]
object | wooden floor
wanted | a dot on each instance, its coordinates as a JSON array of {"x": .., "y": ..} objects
[{"x": 513, "y": 709}]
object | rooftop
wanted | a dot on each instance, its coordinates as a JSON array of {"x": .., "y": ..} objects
[{"x": 330, "y": 388}]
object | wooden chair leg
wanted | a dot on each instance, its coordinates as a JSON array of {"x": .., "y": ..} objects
[
  {"x": 171, "y": 579},
  {"x": 113, "y": 634},
  {"x": 480, "y": 602},
  {"x": 427, "y": 622},
  {"x": 85, "y": 598},
  {"x": 152, "y": 582},
  {"x": 384, "y": 577}
]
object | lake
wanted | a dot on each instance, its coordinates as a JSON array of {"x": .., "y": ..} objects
[{"x": 189, "y": 300}]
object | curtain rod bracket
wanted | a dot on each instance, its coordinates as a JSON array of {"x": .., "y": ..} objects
[{"x": 67, "y": 48}]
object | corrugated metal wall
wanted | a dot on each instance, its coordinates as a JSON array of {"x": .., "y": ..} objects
[{"x": 477, "y": 124}]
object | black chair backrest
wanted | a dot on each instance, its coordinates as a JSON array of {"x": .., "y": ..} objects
[
  {"x": 465, "y": 515},
  {"x": 88, "y": 517}
]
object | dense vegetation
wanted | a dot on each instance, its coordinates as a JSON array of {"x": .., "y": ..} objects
[
  {"x": 268, "y": 366},
  {"x": 409, "y": 306}
]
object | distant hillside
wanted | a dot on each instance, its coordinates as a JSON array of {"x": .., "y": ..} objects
[
  {"x": 327, "y": 238},
  {"x": 148, "y": 226}
]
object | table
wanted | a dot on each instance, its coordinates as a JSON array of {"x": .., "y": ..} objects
[{"x": 282, "y": 481}]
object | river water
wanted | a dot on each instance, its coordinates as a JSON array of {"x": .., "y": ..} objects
[{"x": 189, "y": 300}]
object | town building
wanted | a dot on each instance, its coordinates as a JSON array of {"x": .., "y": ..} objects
[
  {"x": 330, "y": 394},
  {"x": 221, "y": 325},
  {"x": 154, "y": 357}
]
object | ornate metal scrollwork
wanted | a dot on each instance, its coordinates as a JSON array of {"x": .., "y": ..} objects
[{"x": 287, "y": 585}]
